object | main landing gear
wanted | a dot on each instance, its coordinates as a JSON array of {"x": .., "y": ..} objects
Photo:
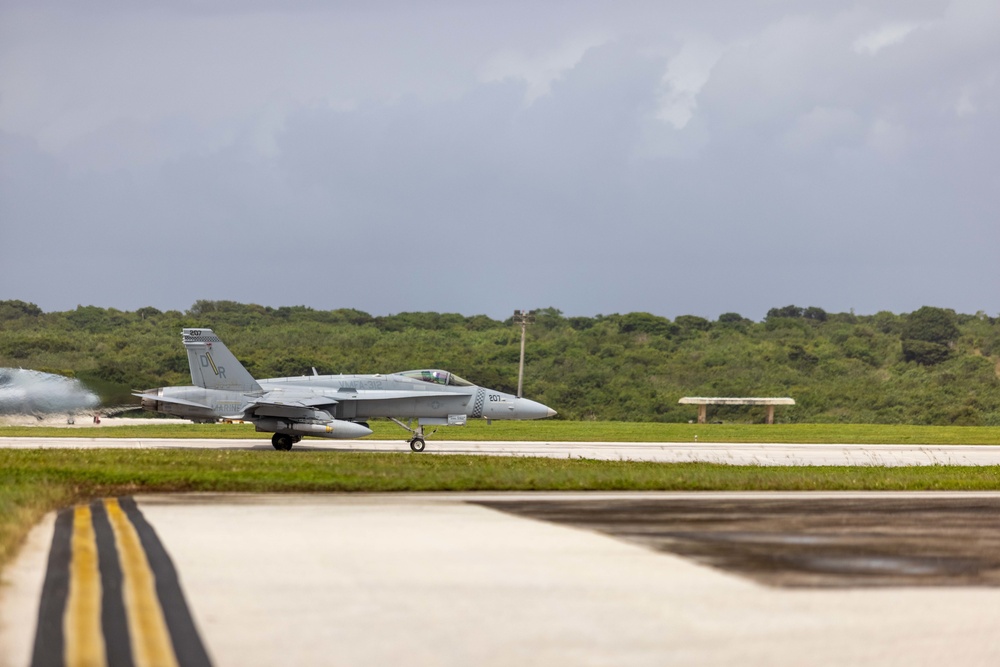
[{"x": 283, "y": 442}]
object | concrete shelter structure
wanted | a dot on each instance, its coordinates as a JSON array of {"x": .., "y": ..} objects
[{"x": 703, "y": 403}]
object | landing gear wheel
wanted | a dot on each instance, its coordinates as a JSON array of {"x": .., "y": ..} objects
[
  {"x": 417, "y": 444},
  {"x": 282, "y": 442}
]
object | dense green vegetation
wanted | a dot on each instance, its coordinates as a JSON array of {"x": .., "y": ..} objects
[
  {"x": 33, "y": 482},
  {"x": 932, "y": 366}
]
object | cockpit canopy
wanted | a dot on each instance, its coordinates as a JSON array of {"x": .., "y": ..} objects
[{"x": 437, "y": 377}]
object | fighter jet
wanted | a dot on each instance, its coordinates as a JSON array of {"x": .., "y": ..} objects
[{"x": 327, "y": 406}]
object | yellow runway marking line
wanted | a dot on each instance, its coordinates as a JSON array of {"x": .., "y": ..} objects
[
  {"x": 82, "y": 620},
  {"x": 151, "y": 645}
]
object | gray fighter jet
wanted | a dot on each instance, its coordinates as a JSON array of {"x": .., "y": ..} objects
[{"x": 327, "y": 406}]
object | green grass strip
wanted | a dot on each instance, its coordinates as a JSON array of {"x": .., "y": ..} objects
[
  {"x": 35, "y": 481},
  {"x": 567, "y": 431}
]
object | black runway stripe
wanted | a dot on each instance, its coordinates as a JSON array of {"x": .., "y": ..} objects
[
  {"x": 188, "y": 647},
  {"x": 50, "y": 646},
  {"x": 113, "y": 619},
  {"x": 49, "y": 641}
]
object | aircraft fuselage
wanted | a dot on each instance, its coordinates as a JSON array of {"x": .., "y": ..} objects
[
  {"x": 326, "y": 406},
  {"x": 350, "y": 390}
]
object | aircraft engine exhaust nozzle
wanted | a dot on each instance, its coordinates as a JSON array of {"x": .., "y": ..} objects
[{"x": 336, "y": 429}]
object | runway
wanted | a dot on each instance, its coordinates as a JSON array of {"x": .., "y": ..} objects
[
  {"x": 663, "y": 452},
  {"x": 540, "y": 578},
  {"x": 561, "y": 579}
]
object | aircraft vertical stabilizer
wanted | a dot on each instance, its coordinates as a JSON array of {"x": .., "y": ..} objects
[{"x": 213, "y": 366}]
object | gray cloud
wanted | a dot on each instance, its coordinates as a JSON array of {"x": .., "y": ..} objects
[{"x": 691, "y": 159}]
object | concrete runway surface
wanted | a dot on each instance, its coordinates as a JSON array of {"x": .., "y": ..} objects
[
  {"x": 664, "y": 452},
  {"x": 562, "y": 579}
]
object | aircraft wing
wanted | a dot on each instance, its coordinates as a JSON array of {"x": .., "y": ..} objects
[
  {"x": 288, "y": 404},
  {"x": 294, "y": 399}
]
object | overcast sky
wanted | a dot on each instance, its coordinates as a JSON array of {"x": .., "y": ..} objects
[{"x": 691, "y": 157}]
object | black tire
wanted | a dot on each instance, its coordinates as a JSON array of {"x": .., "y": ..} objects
[
  {"x": 417, "y": 444},
  {"x": 282, "y": 442}
]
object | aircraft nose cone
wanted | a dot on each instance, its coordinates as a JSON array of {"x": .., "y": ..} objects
[{"x": 528, "y": 409}]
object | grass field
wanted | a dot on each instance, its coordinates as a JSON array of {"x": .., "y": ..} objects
[
  {"x": 567, "y": 431},
  {"x": 33, "y": 482}
]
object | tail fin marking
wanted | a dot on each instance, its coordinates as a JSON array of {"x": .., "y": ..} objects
[{"x": 212, "y": 365}]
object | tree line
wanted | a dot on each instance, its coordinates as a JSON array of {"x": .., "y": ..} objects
[{"x": 931, "y": 366}]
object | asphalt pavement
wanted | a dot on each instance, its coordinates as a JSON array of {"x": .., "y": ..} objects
[
  {"x": 499, "y": 579},
  {"x": 560, "y": 579}
]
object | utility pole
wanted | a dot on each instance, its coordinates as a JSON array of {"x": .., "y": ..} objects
[{"x": 524, "y": 318}]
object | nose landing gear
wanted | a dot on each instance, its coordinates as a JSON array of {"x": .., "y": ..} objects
[{"x": 417, "y": 440}]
